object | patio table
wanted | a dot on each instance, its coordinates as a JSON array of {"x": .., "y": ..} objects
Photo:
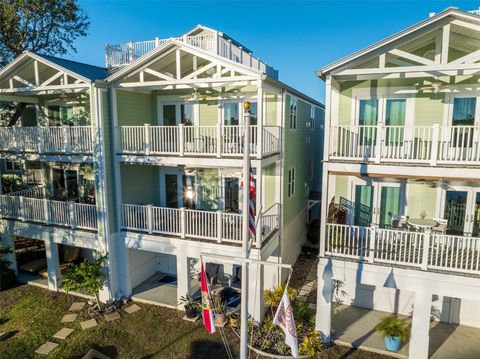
[{"x": 422, "y": 223}]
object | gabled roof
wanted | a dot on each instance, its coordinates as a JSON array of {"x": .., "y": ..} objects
[
  {"x": 451, "y": 11},
  {"x": 91, "y": 72}
]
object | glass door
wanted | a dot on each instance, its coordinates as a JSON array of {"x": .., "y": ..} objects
[
  {"x": 367, "y": 126},
  {"x": 389, "y": 204},
  {"x": 231, "y": 194},
  {"x": 472, "y": 225},
  {"x": 462, "y": 133},
  {"x": 363, "y": 207},
  {"x": 395, "y": 127},
  {"x": 171, "y": 190},
  {"x": 455, "y": 211}
]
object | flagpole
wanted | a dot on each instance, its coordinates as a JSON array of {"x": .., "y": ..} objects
[{"x": 245, "y": 230}]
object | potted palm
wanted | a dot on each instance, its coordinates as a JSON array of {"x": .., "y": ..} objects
[
  {"x": 191, "y": 306},
  {"x": 394, "y": 330},
  {"x": 220, "y": 309}
]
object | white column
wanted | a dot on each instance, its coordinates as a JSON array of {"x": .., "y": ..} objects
[
  {"x": 259, "y": 120},
  {"x": 323, "y": 320},
  {"x": 258, "y": 204},
  {"x": 419, "y": 338},
  {"x": 182, "y": 275},
  {"x": 8, "y": 242},
  {"x": 256, "y": 307},
  {"x": 53, "y": 262}
]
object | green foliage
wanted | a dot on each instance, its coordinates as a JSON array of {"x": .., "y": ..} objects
[
  {"x": 274, "y": 296},
  {"x": 86, "y": 277},
  {"x": 392, "y": 326},
  {"x": 7, "y": 275},
  {"x": 311, "y": 344},
  {"x": 45, "y": 26},
  {"x": 189, "y": 303},
  {"x": 11, "y": 183},
  {"x": 218, "y": 305},
  {"x": 300, "y": 311}
]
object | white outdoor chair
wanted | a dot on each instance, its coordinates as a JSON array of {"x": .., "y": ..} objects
[
  {"x": 399, "y": 222},
  {"x": 442, "y": 225}
]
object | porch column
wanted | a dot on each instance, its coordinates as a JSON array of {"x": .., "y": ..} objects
[
  {"x": 256, "y": 307},
  {"x": 182, "y": 275},
  {"x": 323, "y": 320},
  {"x": 8, "y": 242},
  {"x": 419, "y": 338},
  {"x": 53, "y": 262}
]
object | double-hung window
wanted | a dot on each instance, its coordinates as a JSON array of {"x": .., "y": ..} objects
[
  {"x": 291, "y": 182},
  {"x": 293, "y": 113}
]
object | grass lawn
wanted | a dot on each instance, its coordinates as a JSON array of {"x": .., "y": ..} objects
[{"x": 34, "y": 314}]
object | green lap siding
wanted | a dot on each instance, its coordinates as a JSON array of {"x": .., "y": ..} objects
[
  {"x": 208, "y": 180},
  {"x": 135, "y": 109},
  {"x": 208, "y": 113},
  {"x": 421, "y": 197},
  {"x": 140, "y": 184}
]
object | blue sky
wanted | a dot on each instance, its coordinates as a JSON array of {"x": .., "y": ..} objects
[{"x": 295, "y": 37}]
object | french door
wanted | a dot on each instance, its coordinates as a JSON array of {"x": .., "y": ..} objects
[
  {"x": 65, "y": 184},
  {"x": 376, "y": 202},
  {"x": 461, "y": 207}
]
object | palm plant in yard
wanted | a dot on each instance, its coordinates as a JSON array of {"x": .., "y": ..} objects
[{"x": 86, "y": 277}]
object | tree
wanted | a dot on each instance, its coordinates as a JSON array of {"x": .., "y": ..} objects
[
  {"x": 7, "y": 275},
  {"x": 86, "y": 277},
  {"x": 44, "y": 26}
]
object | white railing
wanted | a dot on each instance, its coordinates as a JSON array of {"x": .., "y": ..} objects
[
  {"x": 420, "y": 144},
  {"x": 51, "y": 139},
  {"x": 423, "y": 250},
  {"x": 182, "y": 222},
  {"x": 33, "y": 192},
  {"x": 123, "y": 54},
  {"x": 65, "y": 214},
  {"x": 215, "y": 141},
  {"x": 269, "y": 222}
]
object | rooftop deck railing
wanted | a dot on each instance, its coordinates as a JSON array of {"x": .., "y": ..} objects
[
  {"x": 421, "y": 250},
  {"x": 123, "y": 54},
  {"x": 49, "y": 212},
  {"x": 416, "y": 144},
  {"x": 190, "y": 223},
  {"x": 51, "y": 139},
  {"x": 210, "y": 141}
]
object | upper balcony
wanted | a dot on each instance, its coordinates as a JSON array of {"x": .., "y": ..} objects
[
  {"x": 203, "y": 38},
  {"x": 433, "y": 145},
  {"x": 63, "y": 140},
  {"x": 197, "y": 141}
]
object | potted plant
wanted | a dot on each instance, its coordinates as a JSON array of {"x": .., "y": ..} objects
[
  {"x": 220, "y": 309},
  {"x": 394, "y": 330},
  {"x": 191, "y": 306}
]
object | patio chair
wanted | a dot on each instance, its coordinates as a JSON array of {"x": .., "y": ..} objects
[
  {"x": 236, "y": 280},
  {"x": 399, "y": 222},
  {"x": 212, "y": 270},
  {"x": 442, "y": 225}
]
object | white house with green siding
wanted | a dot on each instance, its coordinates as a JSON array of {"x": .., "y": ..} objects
[
  {"x": 401, "y": 177},
  {"x": 164, "y": 157}
]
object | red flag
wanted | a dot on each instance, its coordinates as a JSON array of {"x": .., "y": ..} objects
[{"x": 207, "y": 311}]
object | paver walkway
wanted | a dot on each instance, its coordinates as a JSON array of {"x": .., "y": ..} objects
[
  {"x": 307, "y": 290},
  {"x": 46, "y": 348}
]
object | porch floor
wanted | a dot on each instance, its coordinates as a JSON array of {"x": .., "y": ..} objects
[
  {"x": 32, "y": 279},
  {"x": 153, "y": 291},
  {"x": 355, "y": 327}
]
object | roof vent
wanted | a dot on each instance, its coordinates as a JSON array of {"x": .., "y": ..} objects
[{"x": 431, "y": 14}]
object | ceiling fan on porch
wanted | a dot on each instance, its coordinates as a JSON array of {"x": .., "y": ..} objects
[{"x": 435, "y": 86}]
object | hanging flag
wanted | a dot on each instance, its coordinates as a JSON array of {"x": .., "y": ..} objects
[
  {"x": 207, "y": 311},
  {"x": 285, "y": 320},
  {"x": 251, "y": 203}
]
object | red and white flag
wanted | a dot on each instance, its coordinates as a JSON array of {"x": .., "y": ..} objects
[
  {"x": 207, "y": 311},
  {"x": 285, "y": 320}
]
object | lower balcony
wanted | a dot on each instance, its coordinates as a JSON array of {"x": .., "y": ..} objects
[
  {"x": 197, "y": 224},
  {"x": 424, "y": 250},
  {"x": 37, "y": 209}
]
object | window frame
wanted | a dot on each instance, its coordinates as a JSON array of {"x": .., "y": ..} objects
[
  {"x": 293, "y": 114},
  {"x": 291, "y": 182}
]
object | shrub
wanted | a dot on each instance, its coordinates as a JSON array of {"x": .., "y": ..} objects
[{"x": 311, "y": 344}]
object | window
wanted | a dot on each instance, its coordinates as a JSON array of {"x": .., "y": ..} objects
[
  {"x": 34, "y": 176},
  {"x": 367, "y": 119},
  {"x": 312, "y": 117},
  {"x": 464, "y": 111},
  {"x": 67, "y": 115},
  {"x": 291, "y": 182},
  {"x": 12, "y": 165},
  {"x": 293, "y": 113},
  {"x": 231, "y": 114}
]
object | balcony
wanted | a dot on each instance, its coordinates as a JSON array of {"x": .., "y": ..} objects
[
  {"x": 421, "y": 250},
  {"x": 47, "y": 140},
  {"x": 202, "y": 141},
  {"x": 431, "y": 145},
  {"x": 48, "y": 212},
  {"x": 216, "y": 226}
]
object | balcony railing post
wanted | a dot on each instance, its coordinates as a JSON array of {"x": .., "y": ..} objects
[
  {"x": 183, "y": 222},
  {"x": 435, "y": 146},
  {"x": 46, "y": 210},
  {"x": 371, "y": 243},
  {"x": 219, "y": 140},
  {"x": 38, "y": 130},
  {"x": 157, "y": 42},
  {"x": 181, "y": 139},
  {"x": 146, "y": 129},
  {"x": 66, "y": 139},
  {"x": 15, "y": 140},
  {"x": 73, "y": 214},
  {"x": 426, "y": 248},
  {"x": 258, "y": 232},
  {"x": 219, "y": 227},
  {"x": 21, "y": 210},
  {"x": 150, "y": 218},
  {"x": 378, "y": 138}
]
